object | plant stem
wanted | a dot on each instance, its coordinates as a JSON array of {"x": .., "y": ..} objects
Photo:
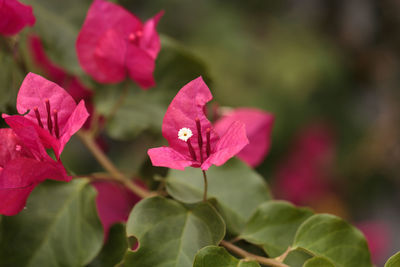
[
  {"x": 118, "y": 176},
  {"x": 243, "y": 253},
  {"x": 205, "y": 186}
]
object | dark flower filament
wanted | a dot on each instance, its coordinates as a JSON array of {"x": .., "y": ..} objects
[
  {"x": 50, "y": 123},
  {"x": 200, "y": 143}
]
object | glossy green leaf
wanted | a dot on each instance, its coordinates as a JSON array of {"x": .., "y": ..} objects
[
  {"x": 170, "y": 233},
  {"x": 318, "y": 262},
  {"x": 218, "y": 257},
  {"x": 175, "y": 66},
  {"x": 59, "y": 227},
  {"x": 331, "y": 237},
  {"x": 274, "y": 225},
  {"x": 393, "y": 261},
  {"x": 237, "y": 188},
  {"x": 114, "y": 249}
]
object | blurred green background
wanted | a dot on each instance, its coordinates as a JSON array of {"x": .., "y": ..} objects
[{"x": 309, "y": 62}]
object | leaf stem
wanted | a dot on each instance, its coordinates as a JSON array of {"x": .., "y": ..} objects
[
  {"x": 118, "y": 176},
  {"x": 205, "y": 186},
  {"x": 282, "y": 257},
  {"x": 243, "y": 253}
]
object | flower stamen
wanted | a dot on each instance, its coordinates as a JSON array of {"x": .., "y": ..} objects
[
  {"x": 38, "y": 116},
  {"x": 208, "y": 147},
  {"x": 49, "y": 121},
  {"x": 191, "y": 150},
  {"x": 199, "y": 138},
  {"x": 56, "y": 129}
]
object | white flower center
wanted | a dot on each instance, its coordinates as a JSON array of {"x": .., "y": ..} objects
[{"x": 184, "y": 134}]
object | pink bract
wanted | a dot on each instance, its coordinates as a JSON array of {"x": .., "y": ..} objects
[
  {"x": 14, "y": 16},
  {"x": 21, "y": 170},
  {"x": 258, "y": 128},
  {"x": 49, "y": 111},
  {"x": 114, "y": 203},
  {"x": 205, "y": 147},
  {"x": 113, "y": 44}
]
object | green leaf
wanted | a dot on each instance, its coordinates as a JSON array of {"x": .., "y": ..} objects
[
  {"x": 331, "y": 237},
  {"x": 274, "y": 225},
  {"x": 296, "y": 258},
  {"x": 175, "y": 66},
  {"x": 59, "y": 227},
  {"x": 114, "y": 249},
  {"x": 170, "y": 233},
  {"x": 237, "y": 188},
  {"x": 218, "y": 257},
  {"x": 393, "y": 261},
  {"x": 318, "y": 262}
]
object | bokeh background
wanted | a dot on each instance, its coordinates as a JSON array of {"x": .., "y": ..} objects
[{"x": 328, "y": 70}]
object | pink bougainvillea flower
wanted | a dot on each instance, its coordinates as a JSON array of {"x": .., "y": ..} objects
[
  {"x": 49, "y": 111},
  {"x": 378, "y": 236},
  {"x": 114, "y": 203},
  {"x": 113, "y": 43},
  {"x": 69, "y": 82},
  {"x": 303, "y": 176},
  {"x": 21, "y": 170},
  {"x": 191, "y": 137},
  {"x": 14, "y": 16},
  {"x": 258, "y": 128}
]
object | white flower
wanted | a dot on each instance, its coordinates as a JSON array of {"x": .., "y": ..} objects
[{"x": 184, "y": 134}]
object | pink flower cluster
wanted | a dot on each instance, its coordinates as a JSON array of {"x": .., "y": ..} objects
[
  {"x": 49, "y": 117},
  {"x": 113, "y": 44}
]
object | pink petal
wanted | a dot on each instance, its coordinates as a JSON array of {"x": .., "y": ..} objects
[
  {"x": 229, "y": 145},
  {"x": 114, "y": 203},
  {"x": 12, "y": 201},
  {"x": 32, "y": 136},
  {"x": 11, "y": 147},
  {"x": 109, "y": 56},
  {"x": 168, "y": 157},
  {"x": 35, "y": 90},
  {"x": 150, "y": 40},
  {"x": 76, "y": 120},
  {"x": 258, "y": 128},
  {"x": 188, "y": 105},
  {"x": 19, "y": 177},
  {"x": 14, "y": 17},
  {"x": 140, "y": 66},
  {"x": 104, "y": 22}
]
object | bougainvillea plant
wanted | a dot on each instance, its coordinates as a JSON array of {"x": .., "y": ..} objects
[{"x": 180, "y": 190}]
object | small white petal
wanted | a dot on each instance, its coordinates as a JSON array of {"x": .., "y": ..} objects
[{"x": 184, "y": 134}]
